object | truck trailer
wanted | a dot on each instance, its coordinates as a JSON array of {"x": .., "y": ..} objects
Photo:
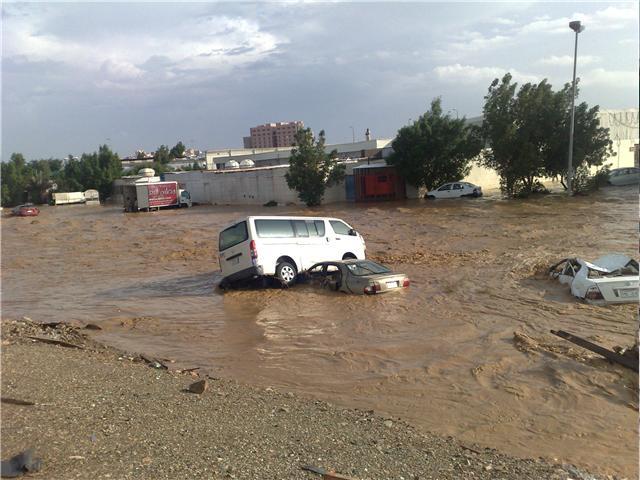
[
  {"x": 64, "y": 198},
  {"x": 154, "y": 195}
]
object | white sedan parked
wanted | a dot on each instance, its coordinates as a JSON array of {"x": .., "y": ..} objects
[{"x": 455, "y": 190}]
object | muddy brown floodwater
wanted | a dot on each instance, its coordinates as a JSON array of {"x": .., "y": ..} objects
[{"x": 466, "y": 351}]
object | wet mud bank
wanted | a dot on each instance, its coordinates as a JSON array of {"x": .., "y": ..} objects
[{"x": 447, "y": 355}]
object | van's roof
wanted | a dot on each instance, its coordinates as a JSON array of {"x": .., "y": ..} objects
[{"x": 277, "y": 217}]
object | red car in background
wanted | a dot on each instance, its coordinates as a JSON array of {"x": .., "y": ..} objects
[{"x": 26, "y": 210}]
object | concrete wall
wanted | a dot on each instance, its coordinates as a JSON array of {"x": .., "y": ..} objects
[
  {"x": 237, "y": 187},
  {"x": 254, "y": 186}
]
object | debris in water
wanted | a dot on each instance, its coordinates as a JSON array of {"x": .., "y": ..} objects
[
  {"x": 15, "y": 401},
  {"x": 55, "y": 342},
  {"x": 326, "y": 474},
  {"x": 20, "y": 464},
  {"x": 199, "y": 387},
  {"x": 625, "y": 361}
]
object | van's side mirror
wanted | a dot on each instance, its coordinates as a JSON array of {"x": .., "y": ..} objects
[{"x": 353, "y": 233}]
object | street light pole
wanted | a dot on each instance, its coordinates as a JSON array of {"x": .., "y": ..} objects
[
  {"x": 577, "y": 27},
  {"x": 353, "y": 135}
]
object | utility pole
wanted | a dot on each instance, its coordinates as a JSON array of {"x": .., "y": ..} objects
[{"x": 577, "y": 27}]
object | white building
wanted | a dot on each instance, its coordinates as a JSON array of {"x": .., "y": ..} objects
[{"x": 262, "y": 157}]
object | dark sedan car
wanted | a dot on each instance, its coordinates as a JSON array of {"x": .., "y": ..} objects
[{"x": 356, "y": 276}]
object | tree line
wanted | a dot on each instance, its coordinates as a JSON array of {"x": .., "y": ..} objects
[
  {"x": 34, "y": 181},
  {"x": 524, "y": 137}
]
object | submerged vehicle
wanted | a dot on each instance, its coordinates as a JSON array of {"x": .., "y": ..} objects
[
  {"x": 356, "y": 276},
  {"x": 455, "y": 190},
  {"x": 26, "y": 210},
  {"x": 610, "y": 279},
  {"x": 282, "y": 246},
  {"x": 624, "y": 176}
]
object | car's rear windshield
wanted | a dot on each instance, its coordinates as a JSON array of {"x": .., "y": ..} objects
[
  {"x": 366, "y": 267},
  {"x": 233, "y": 236}
]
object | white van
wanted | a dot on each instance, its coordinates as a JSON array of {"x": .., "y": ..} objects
[{"x": 284, "y": 246}]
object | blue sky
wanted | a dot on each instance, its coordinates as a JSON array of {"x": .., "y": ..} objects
[{"x": 137, "y": 75}]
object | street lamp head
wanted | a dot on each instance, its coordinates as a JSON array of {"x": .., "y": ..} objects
[{"x": 576, "y": 26}]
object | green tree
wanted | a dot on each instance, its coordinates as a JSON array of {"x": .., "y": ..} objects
[
  {"x": 591, "y": 142},
  {"x": 311, "y": 170},
  {"x": 162, "y": 155},
  {"x": 38, "y": 186},
  {"x": 178, "y": 150},
  {"x": 34, "y": 181},
  {"x": 70, "y": 179},
  {"x": 98, "y": 170},
  {"x": 528, "y": 134},
  {"x": 15, "y": 175},
  {"x": 435, "y": 149}
]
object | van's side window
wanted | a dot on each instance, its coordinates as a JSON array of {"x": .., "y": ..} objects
[
  {"x": 339, "y": 227},
  {"x": 274, "y": 228},
  {"x": 301, "y": 228},
  {"x": 320, "y": 227},
  {"x": 233, "y": 236},
  {"x": 315, "y": 227}
]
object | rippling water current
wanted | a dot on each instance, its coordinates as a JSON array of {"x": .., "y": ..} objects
[{"x": 466, "y": 351}]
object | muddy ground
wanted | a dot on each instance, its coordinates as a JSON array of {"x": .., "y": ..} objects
[
  {"x": 98, "y": 413},
  {"x": 465, "y": 352}
]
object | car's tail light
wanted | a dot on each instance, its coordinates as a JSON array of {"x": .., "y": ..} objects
[
  {"x": 372, "y": 288},
  {"x": 594, "y": 293},
  {"x": 406, "y": 282},
  {"x": 254, "y": 250}
]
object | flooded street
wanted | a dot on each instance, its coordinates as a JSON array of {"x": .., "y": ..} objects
[{"x": 466, "y": 351}]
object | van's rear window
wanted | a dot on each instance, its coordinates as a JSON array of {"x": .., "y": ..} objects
[
  {"x": 274, "y": 228},
  {"x": 233, "y": 236}
]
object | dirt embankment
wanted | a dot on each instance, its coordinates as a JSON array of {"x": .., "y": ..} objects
[{"x": 95, "y": 412}]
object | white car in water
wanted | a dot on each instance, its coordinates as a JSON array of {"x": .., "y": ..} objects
[
  {"x": 610, "y": 279},
  {"x": 624, "y": 176},
  {"x": 455, "y": 190}
]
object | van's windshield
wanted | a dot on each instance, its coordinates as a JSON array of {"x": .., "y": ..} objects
[{"x": 233, "y": 236}]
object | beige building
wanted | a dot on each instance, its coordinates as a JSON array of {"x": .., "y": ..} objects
[{"x": 273, "y": 135}]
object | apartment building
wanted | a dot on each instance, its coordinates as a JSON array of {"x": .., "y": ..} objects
[{"x": 272, "y": 135}]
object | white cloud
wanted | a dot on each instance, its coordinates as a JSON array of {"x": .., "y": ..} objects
[
  {"x": 120, "y": 69},
  {"x": 476, "y": 42},
  {"x": 468, "y": 74},
  {"x": 610, "y": 18},
  {"x": 214, "y": 45},
  {"x": 503, "y": 21},
  {"x": 629, "y": 41},
  {"x": 567, "y": 60},
  {"x": 611, "y": 78}
]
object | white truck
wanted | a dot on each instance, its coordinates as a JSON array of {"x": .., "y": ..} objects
[{"x": 154, "y": 195}]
